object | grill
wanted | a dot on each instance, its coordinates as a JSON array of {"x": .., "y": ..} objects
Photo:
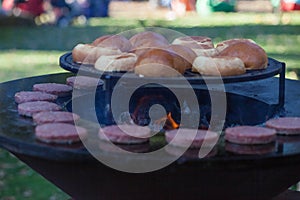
[
  {"x": 226, "y": 174},
  {"x": 198, "y": 83}
]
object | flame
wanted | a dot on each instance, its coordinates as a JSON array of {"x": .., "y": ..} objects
[
  {"x": 169, "y": 122},
  {"x": 139, "y": 116}
]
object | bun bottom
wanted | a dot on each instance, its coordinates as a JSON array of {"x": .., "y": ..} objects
[{"x": 218, "y": 66}]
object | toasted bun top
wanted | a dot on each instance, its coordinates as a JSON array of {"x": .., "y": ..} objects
[
  {"x": 100, "y": 39},
  {"x": 185, "y": 52},
  {"x": 253, "y": 56},
  {"x": 222, "y": 45},
  {"x": 159, "y": 56},
  {"x": 113, "y": 41},
  {"x": 160, "y": 62},
  {"x": 148, "y": 39}
]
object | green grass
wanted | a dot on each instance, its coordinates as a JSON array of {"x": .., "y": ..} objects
[
  {"x": 24, "y": 63},
  {"x": 29, "y": 51},
  {"x": 19, "y": 182}
]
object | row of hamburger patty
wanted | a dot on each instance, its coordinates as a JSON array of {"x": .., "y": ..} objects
[
  {"x": 56, "y": 126},
  {"x": 150, "y": 54}
]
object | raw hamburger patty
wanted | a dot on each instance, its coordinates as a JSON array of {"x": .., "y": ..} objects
[
  {"x": 285, "y": 125},
  {"x": 186, "y": 138},
  {"x": 125, "y": 134},
  {"x": 27, "y": 96},
  {"x": 58, "y": 89},
  {"x": 55, "y": 117},
  {"x": 29, "y": 108},
  {"x": 60, "y": 133},
  {"x": 250, "y": 135},
  {"x": 83, "y": 82}
]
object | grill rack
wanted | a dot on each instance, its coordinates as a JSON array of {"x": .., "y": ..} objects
[{"x": 195, "y": 79}]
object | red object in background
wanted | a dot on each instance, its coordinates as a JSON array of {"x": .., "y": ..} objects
[
  {"x": 190, "y": 4},
  {"x": 289, "y": 5},
  {"x": 181, "y": 6},
  {"x": 7, "y": 5},
  {"x": 32, "y": 7}
]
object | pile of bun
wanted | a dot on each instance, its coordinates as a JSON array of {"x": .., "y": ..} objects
[{"x": 151, "y": 54}]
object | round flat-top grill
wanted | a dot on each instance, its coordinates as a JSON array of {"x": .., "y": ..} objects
[{"x": 224, "y": 174}]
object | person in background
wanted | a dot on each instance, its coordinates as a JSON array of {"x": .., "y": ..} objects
[
  {"x": 66, "y": 10},
  {"x": 98, "y": 8},
  {"x": 58, "y": 12},
  {"x": 30, "y": 8},
  {"x": 180, "y": 7},
  {"x": 23, "y": 8}
]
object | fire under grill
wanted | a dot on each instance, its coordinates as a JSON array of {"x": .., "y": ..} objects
[{"x": 241, "y": 110}]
